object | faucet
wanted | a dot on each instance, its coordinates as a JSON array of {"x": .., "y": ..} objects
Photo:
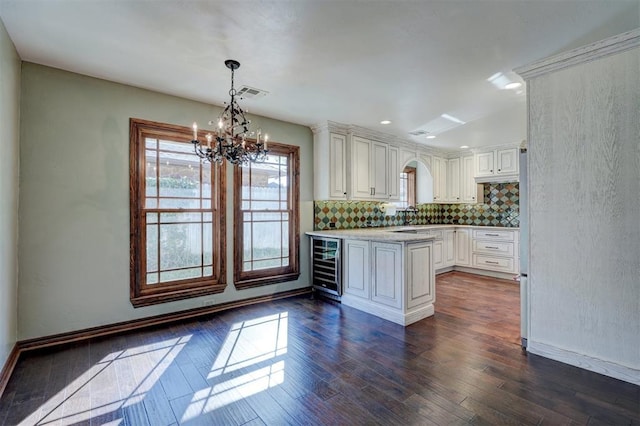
[{"x": 407, "y": 220}]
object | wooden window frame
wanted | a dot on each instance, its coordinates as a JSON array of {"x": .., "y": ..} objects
[
  {"x": 142, "y": 294},
  {"x": 249, "y": 279}
]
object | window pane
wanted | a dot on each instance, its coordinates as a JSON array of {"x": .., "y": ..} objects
[
  {"x": 150, "y": 174},
  {"x": 207, "y": 243},
  {"x": 179, "y": 203},
  {"x": 265, "y": 264},
  {"x": 151, "y": 143},
  {"x": 246, "y": 243},
  {"x": 181, "y": 274},
  {"x": 166, "y": 145},
  {"x": 152, "y": 247},
  {"x": 179, "y": 175},
  {"x": 152, "y": 278},
  {"x": 264, "y": 205},
  {"x": 177, "y": 217},
  {"x": 180, "y": 246},
  {"x": 266, "y": 239}
]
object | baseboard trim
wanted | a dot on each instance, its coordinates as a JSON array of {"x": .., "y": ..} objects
[
  {"x": 494, "y": 274},
  {"x": 8, "y": 368},
  {"x": 105, "y": 330},
  {"x": 596, "y": 365}
]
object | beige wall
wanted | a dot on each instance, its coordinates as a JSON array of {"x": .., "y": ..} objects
[
  {"x": 74, "y": 205},
  {"x": 9, "y": 167}
]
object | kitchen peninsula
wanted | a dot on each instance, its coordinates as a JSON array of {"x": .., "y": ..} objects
[{"x": 390, "y": 271}]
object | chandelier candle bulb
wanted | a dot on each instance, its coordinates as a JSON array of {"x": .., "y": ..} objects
[
  {"x": 209, "y": 139},
  {"x": 195, "y": 131}
]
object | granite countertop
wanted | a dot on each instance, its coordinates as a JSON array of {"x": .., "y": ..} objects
[{"x": 394, "y": 233}]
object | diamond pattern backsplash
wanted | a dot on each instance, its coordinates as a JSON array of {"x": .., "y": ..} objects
[{"x": 500, "y": 208}]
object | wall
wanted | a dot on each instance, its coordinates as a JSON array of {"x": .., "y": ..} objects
[
  {"x": 585, "y": 234},
  {"x": 9, "y": 168},
  {"x": 500, "y": 207},
  {"x": 74, "y": 210}
]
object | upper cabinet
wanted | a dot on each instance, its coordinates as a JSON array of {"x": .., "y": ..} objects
[
  {"x": 330, "y": 164},
  {"x": 370, "y": 169},
  {"x": 498, "y": 165}
]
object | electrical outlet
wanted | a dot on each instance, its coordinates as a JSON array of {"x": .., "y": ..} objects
[
  {"x": 209, "y": 302},
  {"x": 332, "y": 224}
]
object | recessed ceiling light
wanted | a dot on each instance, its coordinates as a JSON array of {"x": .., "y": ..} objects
[
  {"x": 431, "y": 136},
  {"x": 513, "y": 85},
  {"x": 385, "y": 122},
  {"x": 464, "y": 147}
]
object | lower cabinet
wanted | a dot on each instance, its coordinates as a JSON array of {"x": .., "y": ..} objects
[
  {"x": 395, "y": 281},
  {"x": 386, "y": 276},
  {"x": 495, "y": 250},
  {"x": 463, "y": 247},
  {"x": 357, "y": 275}
]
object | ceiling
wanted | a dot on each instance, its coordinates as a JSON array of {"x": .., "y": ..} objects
[{"x": 354, "y": 62}]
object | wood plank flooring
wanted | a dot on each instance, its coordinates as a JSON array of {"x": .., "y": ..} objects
[{"x": 300, "y": 361}]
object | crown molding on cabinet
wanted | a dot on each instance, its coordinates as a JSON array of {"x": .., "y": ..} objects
[{"x": 590, "y": 52}]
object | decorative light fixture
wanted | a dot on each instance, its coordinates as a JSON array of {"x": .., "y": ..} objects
[{"x": 231, "y": 139}]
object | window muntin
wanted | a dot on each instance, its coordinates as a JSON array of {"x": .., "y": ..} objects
[
  {"x": 177, "y": 219},
  {"x": 266, "y": 219}
]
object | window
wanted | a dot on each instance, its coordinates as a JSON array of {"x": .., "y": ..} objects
[
  {"x": 266, "y": 219},
  {"x": 407, "y": 188},
  {"x": 177, "y": 210}
]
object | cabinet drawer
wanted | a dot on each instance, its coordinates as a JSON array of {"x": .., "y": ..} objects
[
  {"x": 503, "y": 264},
  {"x": 499, "y": 248},
  {"x": 492, "y": 234},
  {"x": 437, "y": 234}
]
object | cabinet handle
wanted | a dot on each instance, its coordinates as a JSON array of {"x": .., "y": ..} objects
[
  {"x": 492, "y": 235},
  {"x": 490, "y": 247},
  {"x": 493, "y": 263}
]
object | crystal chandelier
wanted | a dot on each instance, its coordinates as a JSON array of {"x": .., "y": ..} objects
[{"x": 231, "y": 139}]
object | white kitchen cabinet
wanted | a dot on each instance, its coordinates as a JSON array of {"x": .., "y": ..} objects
[
  {"x": 463, "y": 247},
  {"x": 472, "y": 192},
  {"x": 497, "y": 165},
  {"x": 449, "y": 247},
  {"x": 357, "y": 275},
  {"x": 421, "y": 289},
  {"x": 369, "y": 169},
  {"x": 330, "y": 165},
  {"x": 394, "y": 174},
  {"x": 453, "y": 180},
  {"x": 395, "y": 281},
  {"x": 439, "y": 172},
  {"x": 495, "y": 250},
  {"x": 386, "y": 276},
  {"x": 438, "y": 254}
]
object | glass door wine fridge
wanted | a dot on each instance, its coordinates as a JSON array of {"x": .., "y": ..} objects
[{"x": 325, "y": 265}]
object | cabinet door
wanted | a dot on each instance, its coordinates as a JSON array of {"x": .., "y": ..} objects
[
  {"x": 420, "y": 274},
  {"x": 439, "y": 170},
  {"x": 337, "y": 166},
  {"x": 379, "y": 169},
  {"x": 394, "y": 174},
  {"x": 453, "y": 180},
  {"x": 360, "y": 173},
  {"x": 463, "y": 247},
  {"x": 438, "y": 254},
  {"x": 356, "y": 268},
  {"x": 449, "y": 247},
  {"x": 471, "y": 191},
  {"x": 386, "y": 276},
  {"x": 484, "y": 164},
  {"x": 507, "y": 161}
]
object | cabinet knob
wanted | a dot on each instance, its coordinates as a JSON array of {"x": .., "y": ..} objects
[{"x": 498, "y": 169}]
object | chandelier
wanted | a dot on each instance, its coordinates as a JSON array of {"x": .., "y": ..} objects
[{"x": 231, "y": 140}]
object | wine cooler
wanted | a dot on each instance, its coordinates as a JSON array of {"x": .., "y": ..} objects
[{"x": 325, "y": 266}]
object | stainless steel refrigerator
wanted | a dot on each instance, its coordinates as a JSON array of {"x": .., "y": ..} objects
[{"x": 524, "y": 247}]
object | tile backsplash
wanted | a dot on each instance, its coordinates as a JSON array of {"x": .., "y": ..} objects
[{"x": 500, "y": 208}]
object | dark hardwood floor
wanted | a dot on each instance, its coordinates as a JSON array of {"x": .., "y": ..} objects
[{"x": 302, "y": 361}]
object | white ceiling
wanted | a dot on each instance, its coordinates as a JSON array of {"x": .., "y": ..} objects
[{"x": 355, "y": 62}]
